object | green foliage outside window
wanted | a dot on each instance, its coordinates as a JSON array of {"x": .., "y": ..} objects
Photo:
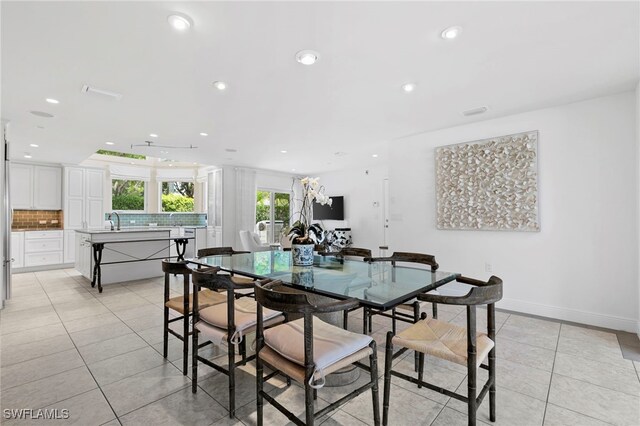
[
  {"x": 121, "y": 154},
  {"x": 177, "y": 196},
  {"x": 127, "y": 194},
  {"x": 282, "y": 206}
]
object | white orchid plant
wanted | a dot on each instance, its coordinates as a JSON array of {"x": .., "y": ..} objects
[{"x": 302, "y": 231}]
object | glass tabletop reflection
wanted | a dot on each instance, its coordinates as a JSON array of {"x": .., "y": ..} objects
[{"x": 377, "y": 285}]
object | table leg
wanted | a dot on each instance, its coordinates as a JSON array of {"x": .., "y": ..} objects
[
  {"x": 97, "y": 271},
  {"x": 181, "y": 247}
]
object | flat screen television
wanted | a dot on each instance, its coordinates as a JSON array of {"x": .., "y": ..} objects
[{"x": 326, "y": 212}]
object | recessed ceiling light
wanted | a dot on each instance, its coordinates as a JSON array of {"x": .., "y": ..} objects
[
  {"x": 231, "y": 150},
  {"x": 179, "y": 21},
  {"x": 52, "y": 101},
  {"x": 164, "y": 152},
  {"x": 220, "y": 85},
  {"x": 451, "y": 33},
  {"x": 153, "y": 135},
  {"x": 34, "y": 145},
  {"x": 110, "y": 143},
  {"x": 40, "y": 127},
  {"x": 283, "y": 151},
  {"x": 409, "y": 87},
  {"x": 293, "y": 170},
  {"x": 132, "y": 162},
  {"x": 204, "y": 134},
  {"x": 307, "y": 57},
  {"x": 195, "y": 162},
  {"x": 42, "y": 114},
  {"x": 375, "y": 155},
  {"x": 27, "y": 156},
  {"x": 170, "y": 165}
]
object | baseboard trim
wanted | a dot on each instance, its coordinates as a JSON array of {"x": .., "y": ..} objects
[
  {"x": 42, "y": 268},
  {"x": 573, "y": 315}
]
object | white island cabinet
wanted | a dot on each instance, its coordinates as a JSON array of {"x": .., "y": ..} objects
[{"x": 124, "y": 253}]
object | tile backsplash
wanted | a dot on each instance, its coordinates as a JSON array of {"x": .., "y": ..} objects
[
  {"x": 37, "y": 219},
  {"x": 161, "y": 219}
]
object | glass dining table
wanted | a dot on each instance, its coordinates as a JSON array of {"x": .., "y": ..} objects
[{"x": 377, "y": 285}]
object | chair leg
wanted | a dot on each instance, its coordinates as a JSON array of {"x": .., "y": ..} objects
[
  {"x": 434, "y": 308},
  {"x": 420, "y": 367},
  {"x": 259, "y": 385},
  {"x": 393, "y": 321},
  {"x": 165, "y": 334},
  {"x": 185, "y": 327},
  {"x": 365, "y": 314},
  {"x": 243, "y": 350},
  {"x": 315, "y": 394},
  {"x": 373, "y": 362},
  {"x": 388, "y": 358},
  {"x": 165, "y": 330},
  {"x": 308, "y": 405},
  {"x": 231, "y": 352},
  {"x": 492, "y": 389},
  {"x": 416, "y": 317},
  {"x": 194, "y": 361},
  {"x": 345, "y": 320}
]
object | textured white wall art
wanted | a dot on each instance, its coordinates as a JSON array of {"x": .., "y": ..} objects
[{"x": 490, "y": 184}]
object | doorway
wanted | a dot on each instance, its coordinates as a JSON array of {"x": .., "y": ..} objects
[{"x": 273, "y": 210}]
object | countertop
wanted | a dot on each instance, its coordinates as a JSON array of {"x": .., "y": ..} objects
[
  {"x": 35, "y": 230},
  {"x": 129, "y": 229}
]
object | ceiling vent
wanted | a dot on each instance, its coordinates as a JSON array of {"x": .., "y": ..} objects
[
  {"x": 90, "y": 89},
  {"x": 475, "y": 111}
]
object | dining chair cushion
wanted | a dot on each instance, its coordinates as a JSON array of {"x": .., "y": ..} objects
[
  {"x": 218, "y": 335},
  {"x": 330, "y": 343},
  {"x": 442, "y": 340},
  {"x": 296, "y": 371},
  {"x": 206, "y": 298},
  {"x": 245, "y": 315}
]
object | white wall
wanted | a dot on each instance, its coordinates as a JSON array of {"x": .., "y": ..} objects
[
  {"x": 360, "y": 191},
  {"x": 582, "y": 266},
  {"x": 638, "y": 191}
]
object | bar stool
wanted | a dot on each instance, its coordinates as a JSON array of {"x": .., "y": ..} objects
[{"x": 182, "y": 305}]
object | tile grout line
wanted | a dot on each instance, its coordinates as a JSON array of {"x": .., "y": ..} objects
[
  {"x": 555, "y": 355},
  {"x": 81, "y": 357}
]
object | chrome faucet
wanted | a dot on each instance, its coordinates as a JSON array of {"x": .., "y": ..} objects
[{"x": 117, "y": 217}]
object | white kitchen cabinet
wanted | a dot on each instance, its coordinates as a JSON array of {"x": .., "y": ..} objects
[
  {"x": 17, "y": 249},
  {"x": 21, "y": 186},
  {"x": 83, "y": 254},
  {"x": 43, "y": 248},
  {"x": 36, "y": 187},
  {"x": 83, "y": 198},
  {"x": 47, "y": 189},
  {"x": 69, "y": 246}
]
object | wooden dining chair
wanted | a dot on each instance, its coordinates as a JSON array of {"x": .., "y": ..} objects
[
  {"x": 308, "y": 349},
  {"x": 413, "y": 306},
  {"x": 354, "y": 253},
  {"x": 224, "y": 323},
  {"x": 183, "y": 305},
  {"x": 464, "y": 346},
  {"x": 229, "y": 251}
]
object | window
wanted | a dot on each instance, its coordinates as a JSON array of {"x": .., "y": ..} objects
[
  {"x": 273, "y": 210},
  {"x": 177, "y": 196},
  {"x": 127, "y": 194}
]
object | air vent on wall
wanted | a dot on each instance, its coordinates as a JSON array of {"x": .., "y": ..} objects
[
  {"x": 475, "y": 111},
  {"x": 90, "y": 89}
]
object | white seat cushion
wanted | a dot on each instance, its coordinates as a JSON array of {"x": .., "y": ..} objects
[
  {"x": 245, "y": 315},
  {"x": 330, "y": 343}
]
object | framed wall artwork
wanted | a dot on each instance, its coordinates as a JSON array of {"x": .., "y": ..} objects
[{"x": 489, "y": 184}]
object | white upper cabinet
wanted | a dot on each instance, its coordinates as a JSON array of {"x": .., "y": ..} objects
[
  {"x": 36, "y": 187},
  {"x": 83, "y": 198},
  {"x": 47, "y": 190},
  {"x": 21, "y": 186}
]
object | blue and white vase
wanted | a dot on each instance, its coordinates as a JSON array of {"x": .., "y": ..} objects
[{"x": 302, "y": 254}]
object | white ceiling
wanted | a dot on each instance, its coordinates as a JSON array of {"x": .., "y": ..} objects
[{"x": 510, "y": 56}]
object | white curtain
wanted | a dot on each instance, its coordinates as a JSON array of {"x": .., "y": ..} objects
[{"x": 245, "y": 202}]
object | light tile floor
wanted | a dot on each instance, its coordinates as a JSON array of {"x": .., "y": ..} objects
[{"x": 64, "y": 346}]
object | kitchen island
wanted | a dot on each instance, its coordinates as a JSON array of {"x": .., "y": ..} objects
[{"x": 105, "y": 256}]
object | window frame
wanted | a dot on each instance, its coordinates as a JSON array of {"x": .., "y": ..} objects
[
  {"x": 160, "y": 182},
  {"x": 146, "y": 196}
]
